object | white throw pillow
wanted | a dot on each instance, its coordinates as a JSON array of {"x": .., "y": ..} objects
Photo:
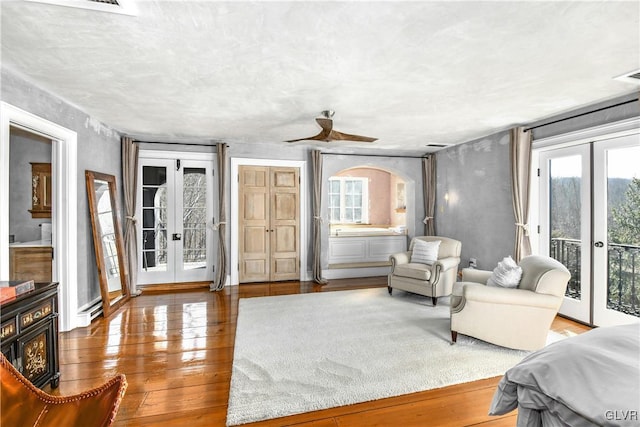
[
  {"x": 506, "y": 275},
  {"x": 425, "y": 252}
]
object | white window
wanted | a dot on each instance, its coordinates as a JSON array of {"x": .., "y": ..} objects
[{"x": 348, "y": 200}]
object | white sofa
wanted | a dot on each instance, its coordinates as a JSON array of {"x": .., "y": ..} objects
[
  {"x": 434, "y": 280},
  {"x": 517, "y": 318}
]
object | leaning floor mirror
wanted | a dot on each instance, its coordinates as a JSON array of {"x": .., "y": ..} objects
[{"x": 107, "y": 240}]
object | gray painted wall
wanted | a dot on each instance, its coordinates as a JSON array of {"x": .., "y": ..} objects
[
  {"x": 98, "y": 150},
  {"x": 477, "y": 177},
  {"x": 23, "y": 150}
]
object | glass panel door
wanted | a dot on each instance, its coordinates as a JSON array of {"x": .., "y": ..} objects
[
  {"x": 616, "y": 248},
  {"x": 194, "y": 219},
  {"x": 194, "y": 250},
  {"x": 177, "y": 214},
  {"x": 155, "y": 213},
  {"x": 565, "y": 221}
]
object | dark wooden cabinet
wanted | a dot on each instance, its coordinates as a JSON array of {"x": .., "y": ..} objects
[
  {"x": 29, "y": 334},
  {"x": 40, "y": 190}
]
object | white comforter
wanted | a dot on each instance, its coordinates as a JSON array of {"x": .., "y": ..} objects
[{"x": 590, "y": 379}]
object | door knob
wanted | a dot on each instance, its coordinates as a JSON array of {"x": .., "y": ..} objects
[
  {"x": 176, "y": 236},
  {"x": 598, "y": 244}
]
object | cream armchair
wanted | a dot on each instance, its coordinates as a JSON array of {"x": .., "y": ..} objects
[
  {"x": 517, "y": 318},
  {"x": 434, "y": 280}
]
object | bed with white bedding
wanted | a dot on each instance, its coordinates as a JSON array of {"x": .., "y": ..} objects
[{"x": 589, "y": 379}]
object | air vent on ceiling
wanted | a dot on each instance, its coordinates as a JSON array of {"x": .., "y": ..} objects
[
  {"x": 124, "y": 7},
  {"x": 437, "y": 145},
  {"x": 631, "y": 77}
]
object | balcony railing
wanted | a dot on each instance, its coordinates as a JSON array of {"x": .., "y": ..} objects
[
  {"x": 623, "y": 266},
  {"x": 568, "y": 252}
]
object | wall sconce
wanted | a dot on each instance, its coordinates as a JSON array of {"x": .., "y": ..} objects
[{"x": 446, "y": 197}]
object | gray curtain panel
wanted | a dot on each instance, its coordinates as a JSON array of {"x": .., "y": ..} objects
[
  {"x": 316, "y": 165},
  {"x": 429, "y": 189},
  {"x": 520, "y": 152},
  {"x": 130, "y": 183},
  {"x": 221, "y": 226}
]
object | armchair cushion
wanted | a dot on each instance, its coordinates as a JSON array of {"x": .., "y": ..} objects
[
  {"x": 425, "y": 252},
  {"x": 506, "y": 275},
  {"x": 414, "y": 271}
]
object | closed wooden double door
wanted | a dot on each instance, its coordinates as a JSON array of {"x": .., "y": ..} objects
[{"x": 269, "y": 221}]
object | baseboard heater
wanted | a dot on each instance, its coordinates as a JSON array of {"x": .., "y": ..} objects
[{"x": 89, "y": 312}]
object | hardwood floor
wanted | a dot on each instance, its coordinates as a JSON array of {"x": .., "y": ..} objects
[{"x": 176, "y": 350}]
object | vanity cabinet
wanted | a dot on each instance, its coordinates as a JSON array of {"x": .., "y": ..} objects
[
  {"x": 40, "y": 190},
  {"x": 29, "y": 334},
  {"x": 30, "y": 263},
  {"x": 364, "y": 251}
]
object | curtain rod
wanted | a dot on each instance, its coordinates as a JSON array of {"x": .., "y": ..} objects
[
  {"x": 334, "y": 154},
  {"x": 581, "y": 114},
  {"x": 376, "y": 155},
  {"x": 135, "y": 141}
]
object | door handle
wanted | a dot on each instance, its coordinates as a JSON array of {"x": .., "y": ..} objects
[
  {"x": 598, "y": 244},
  {"x": 176, "y": 236}
]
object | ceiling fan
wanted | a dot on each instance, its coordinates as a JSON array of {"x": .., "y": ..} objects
[{"x": 328, "y": 134}]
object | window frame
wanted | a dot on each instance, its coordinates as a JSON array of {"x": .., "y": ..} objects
[{"x": 342, "y": 208}]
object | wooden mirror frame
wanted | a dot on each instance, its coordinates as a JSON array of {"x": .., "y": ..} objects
[{"x": 108, "y": 306}]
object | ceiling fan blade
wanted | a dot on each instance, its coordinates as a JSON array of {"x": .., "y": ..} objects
[
  {"x": 322, "y": 136},
  {"x": 340, "y": 136}
]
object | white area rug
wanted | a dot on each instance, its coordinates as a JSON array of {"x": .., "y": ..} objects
[{"x": 300, "y": 353}]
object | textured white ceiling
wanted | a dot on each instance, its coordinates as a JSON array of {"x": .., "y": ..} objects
[{"x": 408, "y": 73}]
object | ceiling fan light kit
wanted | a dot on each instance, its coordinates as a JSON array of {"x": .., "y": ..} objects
[{"x": 328, "y": 134}]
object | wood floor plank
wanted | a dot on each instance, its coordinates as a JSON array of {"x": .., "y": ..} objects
[
  {"x": 460, "y": 409},
  {"x": 183, "y": 399},
  {"x": 176, "y": 349},
  {"x": 192, "y": 418},
  {"x": 327, "y": 422},
  {"x": 504, "y": 421}
]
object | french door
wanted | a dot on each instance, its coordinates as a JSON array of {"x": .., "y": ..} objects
[
  {"x": 589, "y": 196},
  {"x": 175, "y": 212},
  {"x": 616, "y": 231},
  {"x": 565, "y": 225}
]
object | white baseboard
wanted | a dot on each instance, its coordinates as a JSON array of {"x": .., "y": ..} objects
[
  {"x": 89, "y": 312},
  {"x": 306, "y": 276}
]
